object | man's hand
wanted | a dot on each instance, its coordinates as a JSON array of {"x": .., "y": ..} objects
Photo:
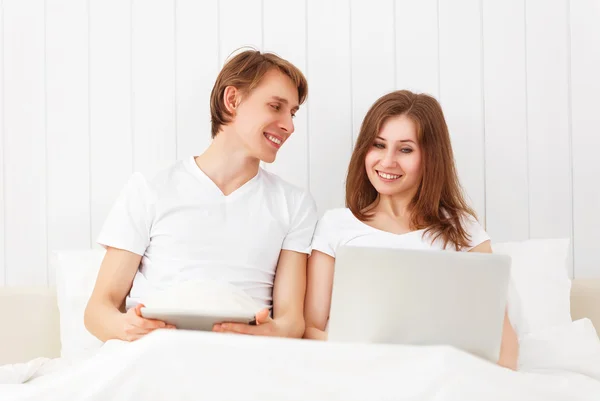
[
  {"x": 288, "y": 302},
  {"x": 265, "y": 326},
  {"x": 135, "y": 326}
]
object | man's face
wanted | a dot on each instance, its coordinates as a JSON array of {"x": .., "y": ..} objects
[{"x": 263, "y": 119}]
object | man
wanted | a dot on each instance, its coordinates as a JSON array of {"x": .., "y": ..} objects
[{"x": 216, "y": 216}]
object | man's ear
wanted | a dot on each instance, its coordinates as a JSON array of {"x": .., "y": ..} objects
[{"x": 231, "y": 99}]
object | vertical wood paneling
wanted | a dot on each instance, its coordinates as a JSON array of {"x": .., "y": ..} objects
[
  {"x": 461, "y": 93},
  {"x": 78, "y": 112},
  {"x": 110, "y": 105},
  {"x": 240, "y": 25},
  {"x": 417, "y": 50},
  {"x": 285, "y": 35},
  {"x": 585, "y": 86},
  {"x": 68, "y": 165},
  {"x": 330, "y": 102},
  {"x": 25, "y": 143},
  {"x": 507, "y": 194},
  {"x": 2, "y": 147},
  {"x": 373, "y": 55},
  {"x": 197, "y": 64},
  {"x": 548, "y": 119},
  {"x": 153, "y": 83}
]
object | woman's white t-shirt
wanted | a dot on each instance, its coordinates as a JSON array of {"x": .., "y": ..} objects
[
  {"x": 185, "y": 228},
  {"x": 339, "y": 227}
]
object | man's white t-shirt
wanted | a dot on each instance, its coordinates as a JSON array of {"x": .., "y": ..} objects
[
  {"x": 185, "y": 228},
  {"x": 340, "y": 227}
]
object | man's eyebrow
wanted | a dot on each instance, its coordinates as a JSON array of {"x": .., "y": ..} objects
[{"x": 284, "y": 101}]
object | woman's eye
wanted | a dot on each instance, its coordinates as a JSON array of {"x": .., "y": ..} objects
[
  {"x": 406, "y": 150},
  {"x": 379, "y": 145}
]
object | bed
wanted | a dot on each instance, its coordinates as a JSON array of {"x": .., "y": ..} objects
[
  {"x": 32, "y": 324},
  {"x": 38, "y": 358}
]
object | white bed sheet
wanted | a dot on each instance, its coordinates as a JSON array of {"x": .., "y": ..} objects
[{"x": 182, "y": 365}]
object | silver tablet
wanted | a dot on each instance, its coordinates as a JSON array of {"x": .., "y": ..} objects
[{"x": 188, "y": 320}]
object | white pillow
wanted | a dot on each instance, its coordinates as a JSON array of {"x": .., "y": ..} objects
[
  {"x": 540, "y": 288},
  {"x": 76, "y": 272}
]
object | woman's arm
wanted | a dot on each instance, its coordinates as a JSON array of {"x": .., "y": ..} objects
[
  {"x": 104, "y": 316},
  {"x": 509, "y": 349},
  {"x": 318, "y": 295}
]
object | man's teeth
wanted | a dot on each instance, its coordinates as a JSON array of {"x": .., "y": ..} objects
[
  {"x": 388, "y": 176},
  {"x": 273, "y": 139}
]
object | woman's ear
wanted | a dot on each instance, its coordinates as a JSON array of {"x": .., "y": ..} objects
[{"x": 231, "y": 99}]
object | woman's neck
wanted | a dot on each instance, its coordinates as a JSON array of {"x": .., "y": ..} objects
[{"x": 395, "y": 206}]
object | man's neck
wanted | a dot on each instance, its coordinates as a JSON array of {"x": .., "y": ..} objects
[{"x": 227, "y": 163}]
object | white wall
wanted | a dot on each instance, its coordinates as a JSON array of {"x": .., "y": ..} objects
[{"x": 94, "y": 90}]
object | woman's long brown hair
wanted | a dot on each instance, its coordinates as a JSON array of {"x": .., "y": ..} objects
[{"x": 439, "y": 206}]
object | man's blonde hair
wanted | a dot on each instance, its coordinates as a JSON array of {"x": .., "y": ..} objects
[{"x": 245, "y": 71}]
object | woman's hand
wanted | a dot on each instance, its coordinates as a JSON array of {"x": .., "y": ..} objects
[{"x": 135, "y": 326}]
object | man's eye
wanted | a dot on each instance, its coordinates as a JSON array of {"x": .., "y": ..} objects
[{"x": 276, "y": 107}]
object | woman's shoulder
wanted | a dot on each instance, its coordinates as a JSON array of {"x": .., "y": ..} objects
[
  {"x": 474, "y": 229},
  {"x": 332, "y": 228},
  {"x": 470, "y": 225},
  {"x": 340, "y": 219},
  {"x": 337, "y": 214}
]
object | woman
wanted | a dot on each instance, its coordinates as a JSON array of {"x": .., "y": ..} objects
[{"x": 402, "y": 191}]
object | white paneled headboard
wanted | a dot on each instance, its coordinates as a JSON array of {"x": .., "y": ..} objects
[{"x": 93, "y": 90}]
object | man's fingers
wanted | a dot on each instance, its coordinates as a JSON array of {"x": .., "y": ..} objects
[
  {"x": 239, "y": 328},
  {"x": 136, "y": 332},
  {"x": 262, "y": 316},
  {"x": 138, "y": 310},
  {"x": 148, "y": 323}
]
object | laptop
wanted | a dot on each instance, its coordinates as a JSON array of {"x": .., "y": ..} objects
[{"x": 420, "y": 297}]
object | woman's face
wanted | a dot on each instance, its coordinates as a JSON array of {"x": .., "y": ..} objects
[{"x": 393, "y": 163}]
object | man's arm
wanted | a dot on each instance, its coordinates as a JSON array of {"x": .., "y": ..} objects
[
  {"x": 288, "y": 301},
  {"x": 104, "y": 315},
  {"x": 288, "y": 292}
]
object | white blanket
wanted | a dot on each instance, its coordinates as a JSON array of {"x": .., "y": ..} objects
[{"x": 185, "y": 365}]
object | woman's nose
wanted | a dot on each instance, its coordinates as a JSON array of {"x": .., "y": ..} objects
[{"x": 389, "y": 160}]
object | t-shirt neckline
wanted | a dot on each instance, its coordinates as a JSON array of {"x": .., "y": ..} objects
[
  {"x": 378, "y": 230},
  {"x": 201, "y": 175}
]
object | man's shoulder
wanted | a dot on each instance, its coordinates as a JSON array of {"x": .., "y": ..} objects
[
  {"x": 276, "y": 182},
  {"x": 166, "y": 176},
  {"x": 150, "y": 186}
]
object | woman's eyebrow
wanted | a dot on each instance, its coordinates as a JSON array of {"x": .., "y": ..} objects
[{"x": 402, "y": 140}]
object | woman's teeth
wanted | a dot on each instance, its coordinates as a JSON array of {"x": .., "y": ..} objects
[
  {"x": 388, "y": 176},
  {"x": 273, "y": 139}
]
